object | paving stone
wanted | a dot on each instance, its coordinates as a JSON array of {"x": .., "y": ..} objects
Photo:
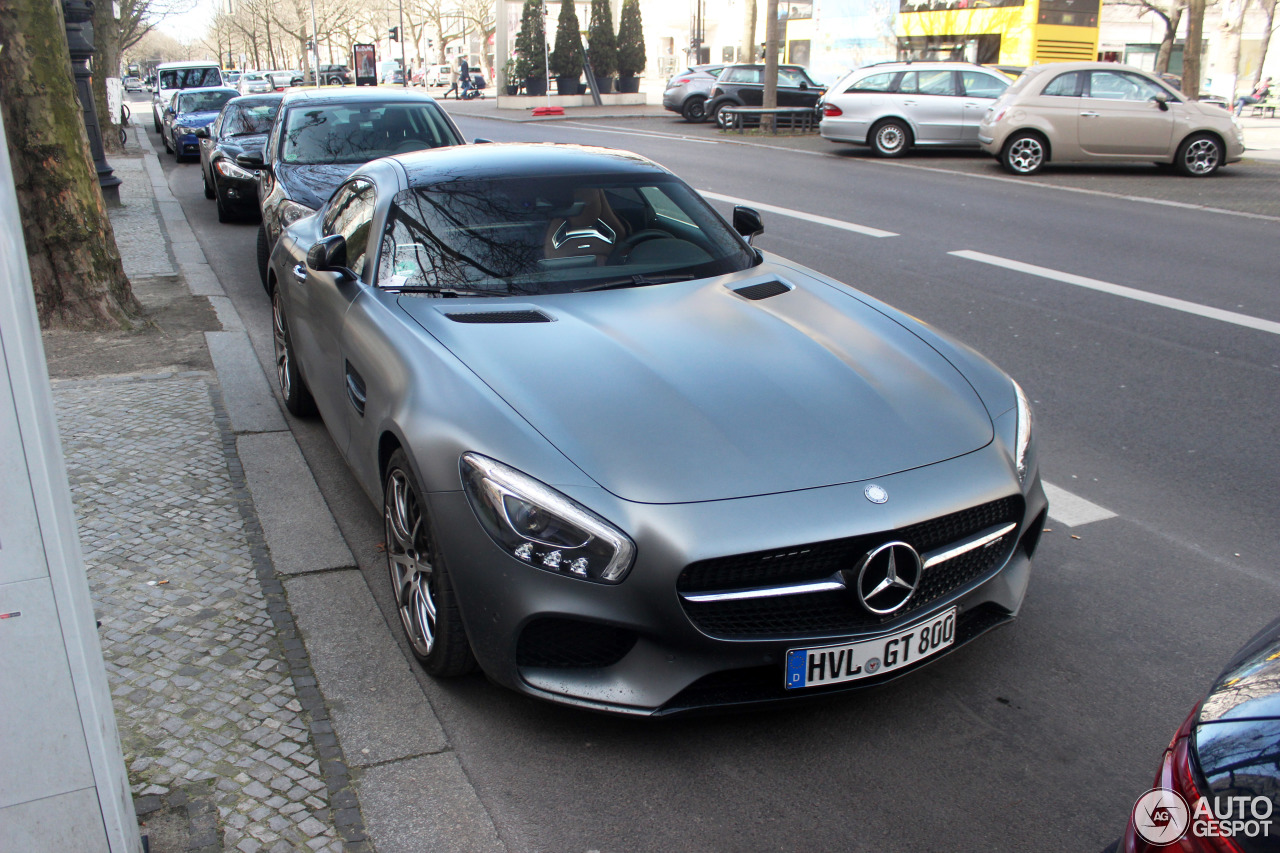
[{"x": 191, "y": 654}]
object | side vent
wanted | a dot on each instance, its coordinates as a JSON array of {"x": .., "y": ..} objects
[
  {"x": 498, "y": 317},
  {"x": 763, "y": 290}
]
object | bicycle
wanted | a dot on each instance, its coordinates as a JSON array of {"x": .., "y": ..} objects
[{"x": 124, "y": 124}]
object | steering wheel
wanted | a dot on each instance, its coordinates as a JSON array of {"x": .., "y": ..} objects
[{"x": 644, "y": 235}]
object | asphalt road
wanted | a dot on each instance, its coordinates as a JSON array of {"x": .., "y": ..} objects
[{"x": 1041, "y": 735}]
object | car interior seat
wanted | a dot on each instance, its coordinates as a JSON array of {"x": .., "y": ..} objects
[{"x": 590, "y": 230}]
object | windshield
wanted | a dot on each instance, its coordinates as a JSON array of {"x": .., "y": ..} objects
[
  {"x": 245, "y": 120},
  {"x": 357, "y": 133},
  {"x": 190, "y": 78},
  {"x": 528, "y": 236},
  {"x": 203, "y": 102}
]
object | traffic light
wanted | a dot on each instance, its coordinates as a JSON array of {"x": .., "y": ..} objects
[{"x": 395, "y": 34}]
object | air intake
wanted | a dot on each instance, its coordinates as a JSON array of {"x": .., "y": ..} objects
[
  {"x": 498, "y": 317},
  {"x": 763, "y": 290}
]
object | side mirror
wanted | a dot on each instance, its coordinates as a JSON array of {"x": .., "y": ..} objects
[
  {"x": 1162, "y": 100},
  {"x": 202, "y": 133},
  {"x": 251, "y": 159},
  {"x": 803, "y": 85},
  {"x": 480, "y": 140},
  {"x": 329, "y": 254},
  {"x": 747, "y": 222}
]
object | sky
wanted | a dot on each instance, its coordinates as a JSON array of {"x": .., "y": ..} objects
[{"x": 191, "y": 25}]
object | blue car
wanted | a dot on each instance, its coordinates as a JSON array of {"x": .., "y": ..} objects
[{"x": 190, "y": 110}]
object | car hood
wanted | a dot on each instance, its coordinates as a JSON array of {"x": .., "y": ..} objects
[
  {"x": 312, "y": 185},
  {"x": 196, "y": 119},
  {"x": 1249, "y": 688},
  {"x": 690, "y": 392},
  {"x": 235, "y": 145}
]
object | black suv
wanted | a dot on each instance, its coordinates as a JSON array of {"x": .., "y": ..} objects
[
  {"x": 743, "y": 86},
  {"x": 335, "y": 75},
  {"x": 320, "y": 135}
]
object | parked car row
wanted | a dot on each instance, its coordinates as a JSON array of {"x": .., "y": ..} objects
[{"x": 1026, "y": 118}]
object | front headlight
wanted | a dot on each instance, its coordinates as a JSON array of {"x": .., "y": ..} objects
[
  {"x": 183, "y": 130},
  {"x": 1023, "y": 440},
  {"x": 291, "y": 212},
  {"x": 542, "y": 527},
  {"x": 231, "y": 170}
]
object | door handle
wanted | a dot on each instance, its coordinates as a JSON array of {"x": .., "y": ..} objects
[
  {"x": 1089, "y": 115},
  {"x": 300, "y": 273},
  {"x": 908, "y": 103}
]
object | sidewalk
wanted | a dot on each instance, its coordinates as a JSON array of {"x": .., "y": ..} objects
[{"x": 228, "y": 742}]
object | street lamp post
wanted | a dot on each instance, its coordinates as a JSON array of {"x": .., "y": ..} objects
[{"x": 79, "y": 27}]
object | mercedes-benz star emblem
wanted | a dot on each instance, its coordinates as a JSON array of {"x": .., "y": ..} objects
[
  {"x": 876, "y": 494},
  {"x": 888, "y": 577}
]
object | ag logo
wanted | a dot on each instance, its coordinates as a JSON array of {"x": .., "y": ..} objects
[{"x": 1161, "y": 816}]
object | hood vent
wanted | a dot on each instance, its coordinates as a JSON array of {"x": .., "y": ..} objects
[
  {"x": 498, "y": 317},
  {"x": 763, "y": 290}
]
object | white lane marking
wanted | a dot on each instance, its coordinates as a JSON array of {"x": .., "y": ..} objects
[
  {"x": 798, "y": 214},
  {"x": 655, "y": 134},
  {"x": 1072, "y": 510},
  {"x": 1126, "y": 292}
]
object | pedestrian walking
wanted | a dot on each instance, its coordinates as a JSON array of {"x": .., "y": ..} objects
[
  {"x": 1259, "y": 93},
  {"x": 464, "y": 73},
  {"x": 453, "y": 83}
]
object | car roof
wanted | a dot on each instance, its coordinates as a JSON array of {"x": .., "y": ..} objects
[
  {"x": 930, "y": 64},
  {"x": 355, "y": 95},
  {"x": 201, "y": 89},
  {"x": 164, "y": 66},
  {"x": 1091, "y": 65},
  {"x": 522, "y": 160},
  {"x": 260, "y": 98}
]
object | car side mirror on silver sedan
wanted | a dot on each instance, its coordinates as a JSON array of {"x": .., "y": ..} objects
[
  {"x": 329, "y": 254},
  {"x": 747, "y": 222},
  {"x": 1162, "y": 100}
]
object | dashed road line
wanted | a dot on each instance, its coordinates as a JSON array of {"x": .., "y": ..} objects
[
  {"x": 1073, "y": 510},
  {"x": 865, "y": 230},
  {"x": 1169, "y": 302}
]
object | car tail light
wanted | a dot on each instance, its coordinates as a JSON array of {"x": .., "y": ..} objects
[
  {"x": 1176, "y": 774},
  {"x": 831, "y": 110}
]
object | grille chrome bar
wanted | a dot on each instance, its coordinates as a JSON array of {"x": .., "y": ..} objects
[
  {"x": 978, "y": 540},
  {"x": 934, "y": 558}
]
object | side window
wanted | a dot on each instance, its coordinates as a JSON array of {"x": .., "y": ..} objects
[
  {"x": 350, "y": 214},
  {"x": 979, "y": 85},
  {"x": 790, "y": 77},
  {"x": 937, "y": 83},
  {"x": 741, "y": 75},
  {"x": 1118, "y": 86},
  {"x": 225, "y": 118},
  {"x": 873, "y": 83},
  {"x": 1064, "y": 85},
  {"x": 909, "y": 84}
]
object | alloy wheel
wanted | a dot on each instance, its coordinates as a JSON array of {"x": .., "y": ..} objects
[
  {"x": 1201, "y": 156},
  {"x": 1025, "y": 155},
  {"x": 409, "y": 562},
  {"x": 280, "y": 335}
]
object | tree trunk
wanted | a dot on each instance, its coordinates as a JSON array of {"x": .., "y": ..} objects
[
  {"x": 1232, "y": 24},
  {"x": 747, "y": 53},
  {"x": 1171, "y": 25},
  {"x": 76, "y": 273},
  {"x": 1269, "y": 10},
  {"x": 770, "y": 63},
  {"x": 106, "y": 63},
  {"x": 1191, "y": 56}
]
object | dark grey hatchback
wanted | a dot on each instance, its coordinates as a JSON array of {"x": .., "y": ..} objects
[
  {"x": 320, "y": 135},
  {"x": 628, "y": 462}
]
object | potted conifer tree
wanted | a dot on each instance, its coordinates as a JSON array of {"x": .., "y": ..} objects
[
  {"x": 631, "y": 58},
  {"x": 603, "y": 45},
  {"x": 566, "y": 56},
  {"x": 531, "y": 49}
]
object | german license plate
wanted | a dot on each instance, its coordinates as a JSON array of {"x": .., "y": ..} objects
[{"x": 853, "y": 661}]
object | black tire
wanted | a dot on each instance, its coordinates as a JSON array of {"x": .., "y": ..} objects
[
  {"x": 297, "y": 397},
  {"x": 208, "y": 190},
  {"x": 890, "y": 138},
  {"x": 694, "y": 109},
  {"x": 425, "y": 598},
  {"x": 1199, "y": 155},
  {"x": 1024, "y": 153},
  {"x": 164, "y": 137},
  {"x": 722, "y": 119},
  {"x": 264, "y": 253}
]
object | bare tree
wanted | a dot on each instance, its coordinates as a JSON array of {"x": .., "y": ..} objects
[
  {"x": 76, "y": 273},
  {"x": 1269, "y": 12},
  {"x": 1170, "y": 14}
]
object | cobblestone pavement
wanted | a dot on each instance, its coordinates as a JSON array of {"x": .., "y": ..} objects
[
  {"x": 134, "y": 222},
  {"x": 204, "y": 698}
]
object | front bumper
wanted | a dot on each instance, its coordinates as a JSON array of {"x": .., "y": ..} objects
[
  {"x": 186, "y": 145},
  {"x": 638, "y": 648},
  {"x": 238, "y": 193}
]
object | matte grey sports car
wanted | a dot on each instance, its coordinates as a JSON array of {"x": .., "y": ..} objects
[{"x": 629, "y": 462}]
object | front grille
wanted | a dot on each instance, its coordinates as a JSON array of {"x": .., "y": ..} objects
[
  {"x": 839, "y": 612},
  {"x": 572, "y": 644},
  {"x": 765, "y": 683}
]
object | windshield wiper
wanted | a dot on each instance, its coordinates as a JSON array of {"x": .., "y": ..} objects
[
  {"x": 633, "y": 281},
  {"x": 440, "y": 290}
]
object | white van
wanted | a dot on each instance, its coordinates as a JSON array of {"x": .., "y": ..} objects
[{"x": 172, "y": 76}]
